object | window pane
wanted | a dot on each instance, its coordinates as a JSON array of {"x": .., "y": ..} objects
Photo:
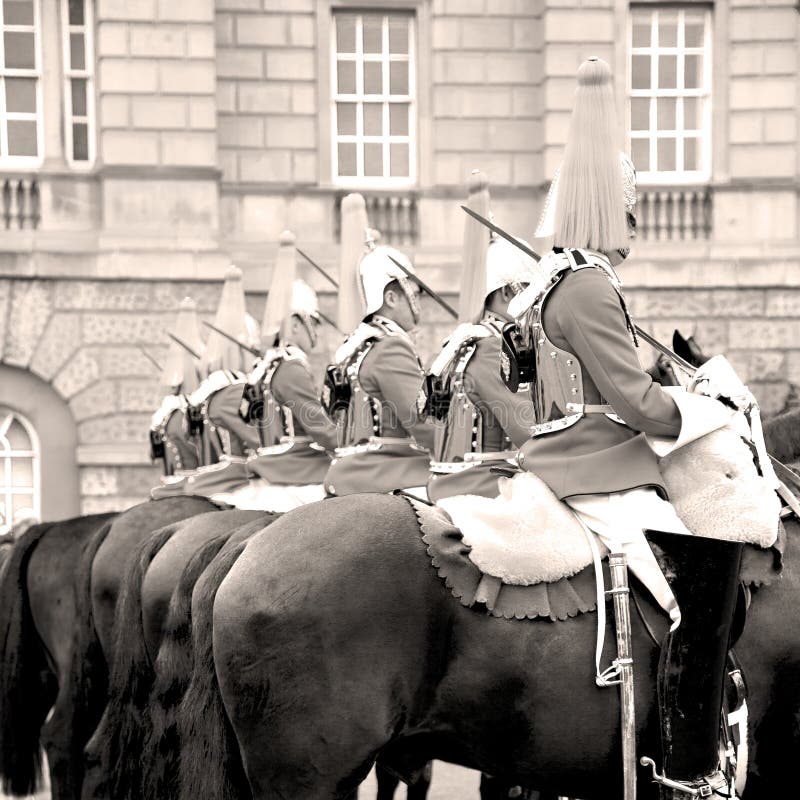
[
  {"x": 640, "y": 113},
  {"x": 21, "y": 502},
  {"x": 373, "y": 36},
  {"x": 346, "y": 77},
  {"x": 641, "y": 30},
  {"x": 20, "y": 53},
  {"x": 398, "y": 77},
  {"x": 347, "y": 158},
  {"x": 373, "y": 119},
  {"x": 691, "y": 113},
  {"x": 22, "y": 473},
  {"x": 79, "y": 97},
  {"x": 18, "y": 12},
  {"x": 398, "y": 119},
  {"x": 77, "y": 54},
  {"x": 17, "y": 436},
  {"x": 640, "y": 72},
  {"x": 399, "y": 160},
  {"x": 690, "y": 153},
  {"x": 21, "y": 94},
  {"x": 694, "y": 30},
  {"x": 667, "y": 29},
  {"x": 345, "y": 33},
  {"x": 398, "y": 34},
  {"x": 667, "y": 72},
  {"x": 373, "y": 160},
  {"x": 693, "y": 72},
  {"x": 373, "y": 77},
  {"x": 22, "y": 138},
  {"x": 666, "y": 113},
  {"x": 80, "y": 141},
  {"x": 666, "y": 155},
  {"x": 640, "y": 154},
  {"x": 346, "y": 119}
]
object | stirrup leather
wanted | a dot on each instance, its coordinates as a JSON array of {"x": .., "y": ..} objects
[{"x": 705, "y": 787}]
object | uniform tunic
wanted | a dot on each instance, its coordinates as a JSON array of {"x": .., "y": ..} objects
[
  {"x": 305, "y": 459},
  {"x": 391, "y": 374},
  {"x": 583, "y": 315},
  {"x": 505, "y": 420}
]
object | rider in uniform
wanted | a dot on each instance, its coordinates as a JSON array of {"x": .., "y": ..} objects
[
  {"x": 483, "y": 422},
  {"x": 384, "y": 441},
  {"x": 281, "y": 400},
  {"x": 227, "y": 439},
  {"x": 594, "y": 404}
]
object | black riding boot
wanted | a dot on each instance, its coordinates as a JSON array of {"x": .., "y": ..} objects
[{"x": 704, "y": 577}]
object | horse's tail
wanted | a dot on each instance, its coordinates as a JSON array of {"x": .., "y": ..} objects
[
  {"x": 173, "y": 671},
  {"x": 125, "y": 724},
  {"x": 27, "y": 685},
  {"x": 210, "y": 765}
]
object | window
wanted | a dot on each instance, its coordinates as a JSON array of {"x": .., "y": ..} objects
[
  {"x": 20, "y": 89},
  {"x": 670, "y": 87},
  {"x": 78, "y": 83},
  {"x": 373, "y": 91},
  {"x": 19, "y": 469}
]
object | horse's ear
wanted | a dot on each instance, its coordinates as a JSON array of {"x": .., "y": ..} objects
[{"x": 682, "y": 347}]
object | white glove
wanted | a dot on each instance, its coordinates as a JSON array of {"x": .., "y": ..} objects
[{"x": 718, "y": 379}]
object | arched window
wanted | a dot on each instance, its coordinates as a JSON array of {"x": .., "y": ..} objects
[{"x": 20, "y": 493}]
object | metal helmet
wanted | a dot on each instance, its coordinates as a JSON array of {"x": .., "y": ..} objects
[
  {"x": 507, "y": 265},
  {"x": 180, "y": 370},
  {"x": 377, "y": 271},
  {"x": 305, "y": 306}
]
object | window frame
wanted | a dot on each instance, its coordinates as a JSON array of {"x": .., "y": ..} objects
[
  {"x": 87, "y": 74},
  {"x": 22, "y": 162},
  {"x": 359, "y": 99},
  {"x": 7, "y": 491},
  {"x": 704, "y": 93}
]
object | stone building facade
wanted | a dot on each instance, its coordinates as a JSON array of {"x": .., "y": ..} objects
[{"x": 146, "y": 144}]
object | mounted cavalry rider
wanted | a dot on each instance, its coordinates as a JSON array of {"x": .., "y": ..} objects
[
  {"x": 171, "y": 437},
  {"x": 482, "y": 422},
  {"x": 373, "y": 385},
  {"x": 281, "y": 400},
  {"x": 227, "y": 439},
  {"x": 594, "y": 405}
]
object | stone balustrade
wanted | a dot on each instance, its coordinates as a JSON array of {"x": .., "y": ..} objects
[
  {"x": 20, "y": 199},
  {"x": 394, "y": 214},
  {"x": 667, "y": 213}
]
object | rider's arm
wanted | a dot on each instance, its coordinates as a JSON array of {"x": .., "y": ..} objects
[
  {"x": 589, "y": 315},
  {"x": 398, "y": 375},
  {"x": 293, "y": 387},
  {"x": 512, "y": 410}
]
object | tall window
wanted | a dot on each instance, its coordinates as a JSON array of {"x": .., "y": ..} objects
[
  {"x": 19, "y": 469},
  {"x": 20, "y": 90},
  {"x": 373, "y": 99},
  {"x": 78, "y": 84},
  {"x": 670, "y": 89}
]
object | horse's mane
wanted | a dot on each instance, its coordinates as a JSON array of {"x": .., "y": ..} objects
[{"x": 782, "y": 436}]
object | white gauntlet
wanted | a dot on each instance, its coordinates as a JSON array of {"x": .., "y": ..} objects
[{"x": 718, "y": 379}]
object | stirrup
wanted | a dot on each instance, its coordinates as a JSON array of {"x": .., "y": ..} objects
[{"x": 705, "y": 787}]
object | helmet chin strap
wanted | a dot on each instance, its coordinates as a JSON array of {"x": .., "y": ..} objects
[{"x": 412, "y": 297}]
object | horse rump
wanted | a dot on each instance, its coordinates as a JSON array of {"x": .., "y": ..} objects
[{"x": 28, "y": 687}]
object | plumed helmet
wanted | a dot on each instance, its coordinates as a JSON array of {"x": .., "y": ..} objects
[
  {"x": 507, "y": 265},
  {"x": 377, "y": 271},
  {"x": 304, "y": 300},
  {"x": 180, "y": 370},
  {"x": 280, "y": 290},
  {"x": 221, "y": 353}
]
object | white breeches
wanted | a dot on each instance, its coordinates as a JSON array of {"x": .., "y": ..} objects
[{"x": 619, "y": 520}]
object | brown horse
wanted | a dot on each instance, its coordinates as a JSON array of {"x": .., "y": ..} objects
[{"x": 38, "y": 615}]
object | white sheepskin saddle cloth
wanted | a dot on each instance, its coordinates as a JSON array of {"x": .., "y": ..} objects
[
  {"x": 258, "y": 495},
  {"x": 526, "y": 535}
]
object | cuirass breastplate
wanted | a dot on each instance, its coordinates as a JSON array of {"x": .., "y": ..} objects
[
  {"x": 277, "y": 421},
  {"x": 462, "y": 430},
  {"x": 363, "y": 416}
]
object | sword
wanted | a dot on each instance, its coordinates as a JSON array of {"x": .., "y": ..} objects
[
  {"x": 427, "y": 289},
  {"x": 318, "y": 268},
  {"x": 251, "y": 350},
  {"x": 191, "y": 351},
  {"x": 652, "y": 341},
  {"x": 326, "y": 318},
  {"x": 150, "y": 359}
]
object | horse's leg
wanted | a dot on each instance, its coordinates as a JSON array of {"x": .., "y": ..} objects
[
  {"x": 387, "y": 783},
  {"x": 418, "y": 788}
]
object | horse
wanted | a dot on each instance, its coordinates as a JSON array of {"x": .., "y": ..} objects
[
  {"x": 38, "y": 608},
  {"x": 153, "y": 571}
]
